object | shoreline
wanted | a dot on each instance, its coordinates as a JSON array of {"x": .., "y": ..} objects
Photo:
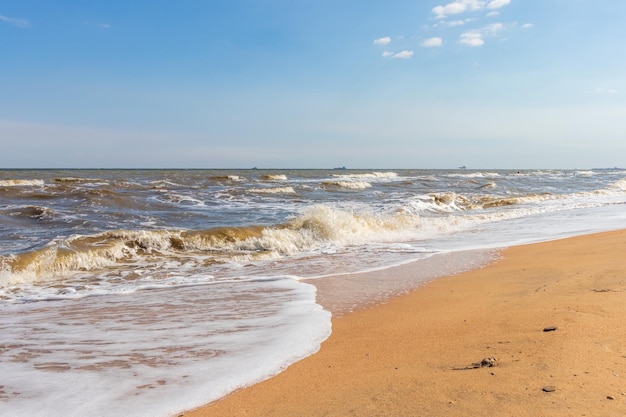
[{"x": 415, "y": 354}]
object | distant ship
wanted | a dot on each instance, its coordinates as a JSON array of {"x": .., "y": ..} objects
[
  {"x": 340, "y": 168},
  {"x": 463, "y": 167}
]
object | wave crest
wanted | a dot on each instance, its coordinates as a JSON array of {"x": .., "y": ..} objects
[
  {"x": 348, "y": 185},
  {"x": 21, "y": 183},
  {"x": 274, "y": 177},
  {"x": 278, "y": 190},
  {"x": 619, "y": 185},
  {"x": 370, "y": 175}
]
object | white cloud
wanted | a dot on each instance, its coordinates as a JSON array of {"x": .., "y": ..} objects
[
  {"x": 452, "y": 8},
  {"x": 472, "y": 39},
  {"x": 496, "y": 4},
  {"x": 527, "y": 25},
  {"x": 386, "y": 40},
  {"x": 457, "y": 7},
  {"x": 20, "y": 23},
  {"x": 405, "y": 54},
  {"x": 462, "y": 6},
  {"x": 492, "y": 13},
  {"x": 434, "y": 42}
]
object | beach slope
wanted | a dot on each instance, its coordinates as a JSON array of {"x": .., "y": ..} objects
[{"x": 551, "y": 315}]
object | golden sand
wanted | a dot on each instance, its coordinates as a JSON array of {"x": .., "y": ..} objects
[{"x": 416, "y": 355}]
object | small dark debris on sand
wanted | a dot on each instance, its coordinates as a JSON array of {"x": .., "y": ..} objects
[
  {"x": 485, "y": 363},
  {"x": 550, "y": 328}
]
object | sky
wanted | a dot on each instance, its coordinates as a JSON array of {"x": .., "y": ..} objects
[{"x": 312, "y": 84}]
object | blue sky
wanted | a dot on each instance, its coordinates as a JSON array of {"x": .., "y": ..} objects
[{"x": 313, "y": 83}]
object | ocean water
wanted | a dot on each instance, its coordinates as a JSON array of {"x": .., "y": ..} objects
[{"x": 150, "y": 292}]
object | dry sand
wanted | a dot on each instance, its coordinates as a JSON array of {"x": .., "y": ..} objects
[{"x": 413, "y": 356}]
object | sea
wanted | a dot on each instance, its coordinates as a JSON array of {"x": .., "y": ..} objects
[{"x": 152, "y": 292}]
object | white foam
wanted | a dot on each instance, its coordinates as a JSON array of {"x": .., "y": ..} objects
[
  {"x": 475, "y": 175},
  {"x": 183, "y": 199},
  {"x": 278, "y": 190},
  {"x": 153, "y": 353},
  {"x": 21, "y": 183},
  {"x": 370, "y": 175}
]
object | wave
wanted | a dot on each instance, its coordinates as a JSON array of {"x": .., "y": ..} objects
[
  {"x": 21, "y": 183},
  {"x": 490, "y": 184},
  {"x": 34, "y": 212},
  {"x": 369, "y": 175},
  {"x": 153, "y": 250},
  {"x": 164, "y": 184},
  {"x": 182, "y": 199},
  {"x": 96, "y": 252},
  {"x": 619, "y": 185},
  {"x": 226, "y": 178},
  {"x": 475, "y": 175},
  {"x": 274, "y": 177},
  {"x": 436, "y": 203},
  {"x": 279, "y": 190},
  {"x": 317, "y": 229},
  {"x": 77, "y": 180},
  {"x": 349, "y": 185}
]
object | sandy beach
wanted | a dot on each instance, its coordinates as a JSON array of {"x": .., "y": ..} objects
[{"x": 550, "y": 314}]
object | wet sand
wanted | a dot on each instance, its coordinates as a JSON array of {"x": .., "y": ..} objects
[{"x": 419, "y": 354}]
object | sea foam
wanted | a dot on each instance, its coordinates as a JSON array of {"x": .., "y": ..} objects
[{"x": 153, "y": 353}]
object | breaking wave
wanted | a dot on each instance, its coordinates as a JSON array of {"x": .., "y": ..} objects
[
  {"x": 370, "y": 175},
  {"x": 21, "y": 183},
  {"x": 278, "y": 190},
  {"x": 348, "y": 185},
  {"x": 318, "y": 228},
  {"x": 274, "y": 177}
]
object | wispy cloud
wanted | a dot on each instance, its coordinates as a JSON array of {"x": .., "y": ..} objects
[
  {"x": 527, "y": 25},
  {"x": 476, "y": 37},
  {"x": 452, "y": 23},
  {"x": 386, "y": 40},
  {"x": 20, "y": 23},
  {"x": 434, "y": 42},
  {"x": 405, "y": 54}
]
